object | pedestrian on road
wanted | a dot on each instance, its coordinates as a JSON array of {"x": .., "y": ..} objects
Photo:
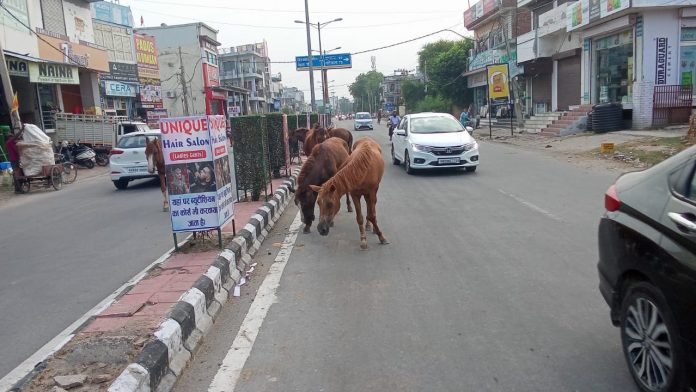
[
  {"x": 394, "y": 121},
  {"x": 379, "y": 116},
  {"x": 464, "y": 118}
]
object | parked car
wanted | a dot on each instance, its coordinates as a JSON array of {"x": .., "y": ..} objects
[
  {"x": 127, "y": 160},
  {"x": 363, "y": 120},
  {"x": 647, "y": 271},
  {"x": 433, "y": 141}
]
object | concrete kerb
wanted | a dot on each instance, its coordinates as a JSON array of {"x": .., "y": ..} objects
[{"x": 161, "y": 361}]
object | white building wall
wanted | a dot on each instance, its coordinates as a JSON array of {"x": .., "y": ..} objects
[{"x": 15, "y": 37}]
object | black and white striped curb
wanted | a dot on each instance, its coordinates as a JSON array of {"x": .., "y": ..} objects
[{"x": 161, "y": 361}]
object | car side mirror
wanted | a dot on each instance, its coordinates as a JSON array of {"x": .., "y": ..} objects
[{"x": 401, "y": 132}]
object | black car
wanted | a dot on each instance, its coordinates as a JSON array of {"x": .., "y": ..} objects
[{"x": 647, "y": 271}]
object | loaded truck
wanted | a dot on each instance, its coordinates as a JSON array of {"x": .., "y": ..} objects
[{"x": 99, "y": 132}]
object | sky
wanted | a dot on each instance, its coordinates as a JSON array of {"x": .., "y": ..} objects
[{"x": 366, "y": 25}]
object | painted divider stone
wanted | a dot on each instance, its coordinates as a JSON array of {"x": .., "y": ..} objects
[
  {"x": 223, "y": 265},
  {"x": 248, "y": 237},
  {"x": 264, "y": 216},
  {"x": 155, "y": 358},
  {"x": 183, "y": 313},
  {"x": 207, "y": 287},
  {"x": 135, "y": 378}
]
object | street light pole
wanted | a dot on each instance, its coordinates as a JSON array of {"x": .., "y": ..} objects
[{"x": 309, "y": 57}]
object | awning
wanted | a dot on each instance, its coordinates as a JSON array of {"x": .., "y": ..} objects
[
  {"x": 25, "y": 57},
  {"x": 475, "y": 71}
]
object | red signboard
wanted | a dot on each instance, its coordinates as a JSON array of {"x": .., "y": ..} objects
[{"x": 211, "y": 75}]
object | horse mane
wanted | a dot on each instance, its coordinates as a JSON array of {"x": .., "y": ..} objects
[
  {"x": 306, "y": 168},
  {"x": 358, "y": 163}
]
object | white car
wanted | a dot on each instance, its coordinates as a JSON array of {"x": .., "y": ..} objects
[
  {"x": 363, "y": 120},
  {"x": 127, "y": 160},
  {"x": 433, "y": 141}
]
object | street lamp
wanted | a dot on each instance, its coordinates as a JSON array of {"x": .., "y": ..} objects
[{"x": 318, "y": 26}]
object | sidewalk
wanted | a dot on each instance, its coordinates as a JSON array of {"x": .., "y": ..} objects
[
  {"x": 188, "y": 287},
  {"x": 633, "y": 148}
]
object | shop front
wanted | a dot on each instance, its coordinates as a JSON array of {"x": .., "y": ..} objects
[
  {"x": 612, "y": 68},
  {"x": 119, "y": 98},
  {"x": 476, "y": 81}
]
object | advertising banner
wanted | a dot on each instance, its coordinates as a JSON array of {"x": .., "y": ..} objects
[
  {"x": 121, "y": 72},
  {"x": 145, "y": 51},
  {"x": 498, "y": 81},
  {"x": 118, "y": 89},
  {"x": 577, "y": 14},
  {"x": 198, "y": 172},
  {"x": 17, "y": 67},
  {"x": 53, "y": 73}
]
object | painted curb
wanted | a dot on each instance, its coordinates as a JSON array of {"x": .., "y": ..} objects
[{"x": 161, "y": 361}]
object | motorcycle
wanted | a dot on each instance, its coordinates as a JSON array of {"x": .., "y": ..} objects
[{"x": 78, "y": 153}]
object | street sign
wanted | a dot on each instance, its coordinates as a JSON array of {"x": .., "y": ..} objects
[{"x": 331, "y": 61}]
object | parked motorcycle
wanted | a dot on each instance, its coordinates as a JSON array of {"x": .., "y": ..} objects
[{"x": 78, "y": 153}]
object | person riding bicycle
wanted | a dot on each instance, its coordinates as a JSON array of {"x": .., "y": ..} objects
[{"x": 394, "y": 121}]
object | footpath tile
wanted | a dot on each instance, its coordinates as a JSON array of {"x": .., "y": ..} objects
[
  {"x": 126, "y": 306},
  {"x": 115, "y": 324},
  {"x": 151, "y": 285}
]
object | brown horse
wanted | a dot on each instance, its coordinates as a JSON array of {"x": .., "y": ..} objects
[
  {"x": 360, "y": 177},
  {"x": 155, "y": 161},
  {"x": 297, "y": 136},
  {"x": 342, "y": 133},
  {"x": 326, "y": 159},
  {"x": 313, "y": 137}
]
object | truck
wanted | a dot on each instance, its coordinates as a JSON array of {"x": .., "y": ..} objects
[{"x": 99, "y": 132}]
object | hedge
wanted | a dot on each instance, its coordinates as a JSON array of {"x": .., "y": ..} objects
[
  {"x": 276, "y": 142},
  {"x": 250, "y": 154}
]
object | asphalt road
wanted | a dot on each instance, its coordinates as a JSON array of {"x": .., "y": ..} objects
[
  {"x": 61, "y": 253},
  {"x": 489, "y": 284}
]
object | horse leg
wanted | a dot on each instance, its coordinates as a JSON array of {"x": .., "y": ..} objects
[
  {"x": 359, "y": 218},
  {"x": 163, "y": 188},
  {"x": 350, "y": 209},
  {"x": 371, "y": 201}
]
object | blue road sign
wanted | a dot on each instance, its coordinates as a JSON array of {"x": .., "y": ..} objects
[{"x": 330, "y": 61}]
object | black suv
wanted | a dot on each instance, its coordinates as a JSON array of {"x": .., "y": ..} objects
[{"x": 647, "y": 271}]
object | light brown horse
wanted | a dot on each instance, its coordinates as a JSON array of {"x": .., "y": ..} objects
[
  {"x": 313, "y": 137},
  {"x": 342, "y": 133},
  {"x": 155, "y": 161},
  {"x": 325, "y": 161},
  {"x": 360, "y": 177}
]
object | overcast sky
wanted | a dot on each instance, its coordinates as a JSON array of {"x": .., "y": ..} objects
[{"x": 366, "y": 24}]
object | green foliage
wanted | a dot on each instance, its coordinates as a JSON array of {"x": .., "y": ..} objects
[
  {"x": 412, "y": 92},
  {"x": 287, "y": 110},
  {"x": 345, "y": 105},
  {"x": 366, "y": 90},
  {"x": 444, "y": 62},
  {"x": 276, "y": 142},
  {"x": 313, "y": 119},
  {"x": 293, "y": 122},
  {"x": 433, "y": 104},
  {"x": 250, "y": 154}
]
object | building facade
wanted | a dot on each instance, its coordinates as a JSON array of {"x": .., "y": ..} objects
[
  {"x": 188, "y": 68},
  {"x": 391, "y": 88},
  {"x": 58, "y": 72},
  {"x": 247, "y": 67},
  {"x": 293, "y": 98}
]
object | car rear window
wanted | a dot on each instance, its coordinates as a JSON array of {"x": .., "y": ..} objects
[
  {"x": 435, "y": 125},
  {"x": 135, "y": 141}
]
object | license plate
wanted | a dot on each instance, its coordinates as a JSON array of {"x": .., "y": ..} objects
[
  {"x": 136, "y": 169},
  {"x": 448, "y": 161}
]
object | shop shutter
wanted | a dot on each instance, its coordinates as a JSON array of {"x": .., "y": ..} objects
[
  {"x": 53, "y": 17},
  {"x": 568, "y": 82}
]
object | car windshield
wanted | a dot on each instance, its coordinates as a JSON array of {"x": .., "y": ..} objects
[
  {"x": 134, "y": 141},
  {"x": 435, "y": 125},
  {"x": 362, "y": 116}
]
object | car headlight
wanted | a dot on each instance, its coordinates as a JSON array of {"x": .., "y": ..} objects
[
  {"x": 470, "y": 146},
  {"x": 420, "y": 147}
]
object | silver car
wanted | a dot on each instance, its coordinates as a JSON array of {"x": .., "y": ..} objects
[{"x": 363, "y": 120}]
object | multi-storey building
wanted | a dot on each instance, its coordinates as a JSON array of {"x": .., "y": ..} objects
[
  {"x": 293, "y": 98},
  {"x": 188, "y": 66},
  {"x": 391, "y": 88},
  {"x": 58, "y": 72},
  {"x": 248, "y": 67},
  {"x": 496, "y": 24}
]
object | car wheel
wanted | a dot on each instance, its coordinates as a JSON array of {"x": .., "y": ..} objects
[
  {"x": 395, "y": 160},
  {"x": 650, "y": 340},
  {"x": 471, "y": 169},
  {"x": 407, "y": 163},
  {"x": 121, "y": 184}
]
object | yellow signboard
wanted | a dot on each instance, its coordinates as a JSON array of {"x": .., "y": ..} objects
[
  {"x": 498, "y": 86},
  {"x": 605, "y": 148}
]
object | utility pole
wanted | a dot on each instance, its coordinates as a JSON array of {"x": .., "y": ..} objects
[
  {"x": 7, "y": 90},
  {"x": 309, "y": 57},
  {"x": 184, "y": 89}
]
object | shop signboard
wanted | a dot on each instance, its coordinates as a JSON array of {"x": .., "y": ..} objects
[
  {"x": 145, "y": 51},
  {"x": 198, "y": 172},
  {"x": 577, "y": 15},
  {"x": 150, "y": 91},
  {"x": 661, "y": 56},
  {"x": 53, "y": 73},
  {"x": 121, "y": 72},
  {"x": 212, "y": 75},
  {"x": 153, "y": 117},
  {"x": 118, "y": 89},
  {"x": 610, "y": 7},
  {"x": 594, "y": 13},
  {"x": 83, "y": 53},
  {"x": 497, "y": 77},
  {"x": 112, "y": 13},
  {"x": 17, "y": 67}
]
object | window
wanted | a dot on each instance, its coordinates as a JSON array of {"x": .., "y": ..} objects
[
  {"x": 132, "y": 142},
  {"x": 613, "y": 68},
  {"x": 435, "y": 124},
  {"x": 687, "y": 57},
  {"x": 211, "y": 58},
  {"x": 116, "y": 40}
]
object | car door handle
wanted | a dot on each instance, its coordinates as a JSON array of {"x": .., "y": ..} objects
[{"x": 682, "y": 221}]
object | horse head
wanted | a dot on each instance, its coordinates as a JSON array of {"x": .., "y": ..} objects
[
  {"x": 329, "y": 201},
  {"x": 153, "y": 153}
]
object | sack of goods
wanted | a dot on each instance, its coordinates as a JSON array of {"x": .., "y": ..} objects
[{"x": 35, "y": 150}]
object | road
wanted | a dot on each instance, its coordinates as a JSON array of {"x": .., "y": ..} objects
[
  {"x": 63, "y": 252},
  {"x": 489, "y": 284}
]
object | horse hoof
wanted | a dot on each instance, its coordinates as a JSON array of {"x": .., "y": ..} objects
[
  {"x": 350, "y": 209},
  {"x": 363, "y": 246},
  {"x": 331, "y": 224},
  {"x": 165, "y": 209},
  {"x": 384, "y": 241}
]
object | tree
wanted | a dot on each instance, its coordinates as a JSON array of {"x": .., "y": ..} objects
[
  {"x": 444, "y": 62},
  {"x": 366, "y": 91},
  {"x": 345, "y": 105},
  {"x": 412, "y": 92}
]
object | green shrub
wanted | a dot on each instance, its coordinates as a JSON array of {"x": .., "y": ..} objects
[
  {"x": 276, "y": 142},
  {"x": 250, "y": 154},
  {"x": 433, "y": 104}
]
